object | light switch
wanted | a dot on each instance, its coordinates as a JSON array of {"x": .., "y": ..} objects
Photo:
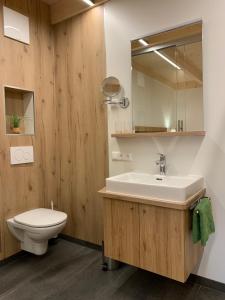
[
  {"x": 117, "y": 155},
  {"x": 21, "y": 155}
]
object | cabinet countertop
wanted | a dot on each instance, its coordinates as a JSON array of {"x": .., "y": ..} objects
[{"x": 181, "y": 205}]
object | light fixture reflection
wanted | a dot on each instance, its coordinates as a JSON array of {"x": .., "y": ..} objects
[
  {"x": 167, "y": 59},
  {"x": 89, "y": 2},
  {"x": 143, "y": 42}
]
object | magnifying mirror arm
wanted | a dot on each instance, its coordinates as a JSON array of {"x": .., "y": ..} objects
[
  {"x": 124, "y": 102},
  {"x": 109, "y": 100}
]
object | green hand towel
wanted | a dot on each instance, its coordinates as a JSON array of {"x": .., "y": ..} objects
[{"x": 203, "y": 223}]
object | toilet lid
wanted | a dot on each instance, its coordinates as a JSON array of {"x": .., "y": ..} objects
[{"x": 41, "y": 217}]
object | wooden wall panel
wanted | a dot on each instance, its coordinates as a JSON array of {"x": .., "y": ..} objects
[
  {"x": 30, "y": 67},
  {"x": 80, "y": 68},
  {"x": 65, "y": 9},
  {"x": 70, "y": 139}
]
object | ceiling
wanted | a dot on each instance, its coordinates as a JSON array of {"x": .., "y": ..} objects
[
  {"x": 64, "y": 9},
  {"x": 50, "y": 2},
  {"x": 188, "y": 57},
  {"x": 181, "y": 46}
]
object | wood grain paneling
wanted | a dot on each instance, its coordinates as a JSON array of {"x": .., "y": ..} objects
[
  {"x": 70, "y": 140},
  {"x": 121, "y": 231},
  {"x": 181, "y": 205},
  {"x": 171, "y": 36},
  {"x": 30, "y": 67},
  {"x": 162, "y": 241},
  {"x": 80, "y": 68},
  {"x": 166, "y": 246},
  {"x": 157, "y": 239},
  {"x": 65, "y": 9},
  {"x": 50, "y": 2},
  {"x": 144, "y": 129},
  {"x": 161, "y": 134}
]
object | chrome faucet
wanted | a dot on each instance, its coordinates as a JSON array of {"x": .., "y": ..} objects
[{"x": 162, "y": 164}]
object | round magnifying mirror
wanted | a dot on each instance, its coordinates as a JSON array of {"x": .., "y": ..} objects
[{"x": 111, "y": 87}]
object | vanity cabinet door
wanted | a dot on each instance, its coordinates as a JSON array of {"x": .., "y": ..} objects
[
  {"x": 162, "y": 241},
  {"x": 121, "y": 231}
]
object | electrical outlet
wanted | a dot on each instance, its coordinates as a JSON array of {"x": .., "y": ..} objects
[
  {"x": 127, "y": 157},
  {"x": 122, "y": 156}
]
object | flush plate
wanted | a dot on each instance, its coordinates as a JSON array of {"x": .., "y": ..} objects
[{"x": 21, "y": 155}]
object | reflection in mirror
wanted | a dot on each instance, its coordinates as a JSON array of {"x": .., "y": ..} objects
[
  {"x": 167, "y": 86},
  {"x": 111, "y": 87}
]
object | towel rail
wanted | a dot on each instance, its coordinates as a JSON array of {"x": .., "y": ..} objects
[{"x": 192, "y": 207}]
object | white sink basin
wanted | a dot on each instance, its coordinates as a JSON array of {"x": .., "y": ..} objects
[{"x": 176, "y": 188}]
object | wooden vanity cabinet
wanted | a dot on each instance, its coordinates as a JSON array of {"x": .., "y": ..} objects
[
  {"x": 166, "y": 246},
  {"x": 122, "y": 231},
  {"x": 154, "y": 238}
]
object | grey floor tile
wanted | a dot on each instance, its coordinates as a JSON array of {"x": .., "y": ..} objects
[
  {"x": 147, "y": 286},
  {"x": 73, "y": 272},
  {"x": 209, "y": 294}
]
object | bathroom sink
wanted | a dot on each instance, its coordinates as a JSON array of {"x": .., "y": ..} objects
[{"x": 176, "y": 188}]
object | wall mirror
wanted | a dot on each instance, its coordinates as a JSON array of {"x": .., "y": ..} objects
[{"x": 167, "y": 81}]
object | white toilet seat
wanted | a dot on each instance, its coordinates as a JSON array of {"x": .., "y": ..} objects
[
  {"x": 40, "y": 218},
  {"x": 35, "y": 227}
]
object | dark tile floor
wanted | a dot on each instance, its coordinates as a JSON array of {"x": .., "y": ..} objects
[{"x": 70, "y": 271}]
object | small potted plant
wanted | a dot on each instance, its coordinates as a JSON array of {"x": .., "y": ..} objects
[{"x": 15, "y": 124}]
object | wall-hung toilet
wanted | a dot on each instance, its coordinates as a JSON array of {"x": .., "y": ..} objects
[{"x": 35, "y": 227}]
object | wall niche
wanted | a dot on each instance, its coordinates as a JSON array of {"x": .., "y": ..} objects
[{"x": 19, "y": 103}]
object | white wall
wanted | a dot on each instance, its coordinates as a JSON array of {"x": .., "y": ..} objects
[
  {"x": 190, "y": 108},
  {"x": 154, "y": 103},
  {"x": 129, "y": 19}
]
